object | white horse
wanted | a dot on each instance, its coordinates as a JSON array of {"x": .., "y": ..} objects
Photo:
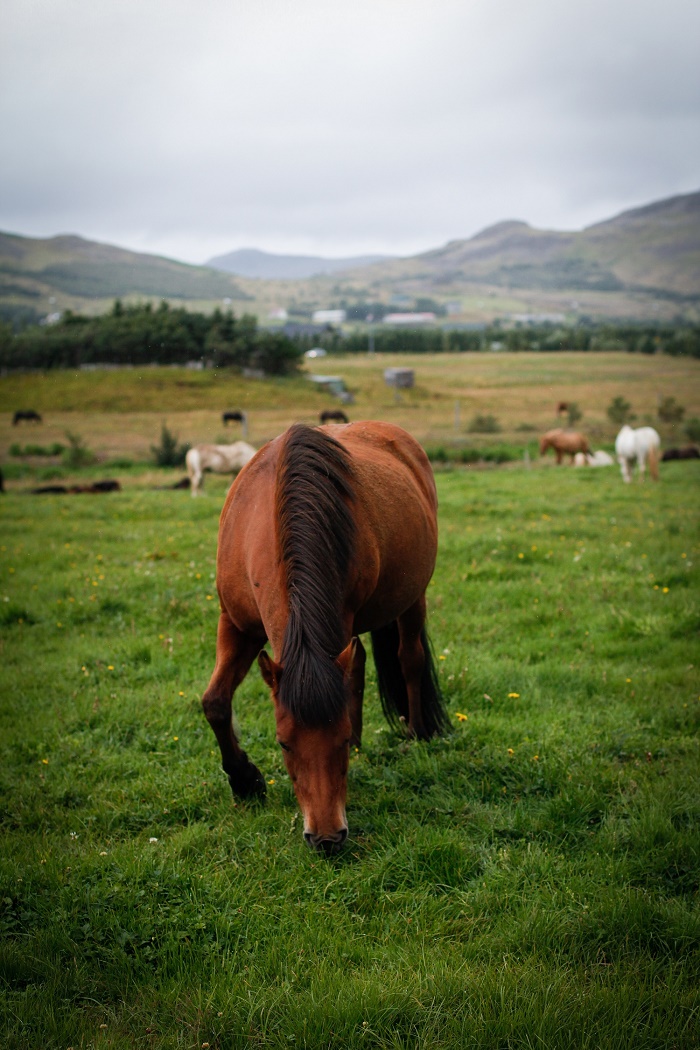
[
  {"x": 642, "y": 444},
  {"x": 593, "y": 459},
  {"x": 221, "y": 459}
]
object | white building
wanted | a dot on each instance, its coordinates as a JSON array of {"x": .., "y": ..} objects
[
  {"x": 328, "y": 316},
  {"x": 409, "y": 319}
]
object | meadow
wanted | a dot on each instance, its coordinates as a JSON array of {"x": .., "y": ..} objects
[
  {"x": 119, "y": 414},
  {"x": 530, "y": 880}
]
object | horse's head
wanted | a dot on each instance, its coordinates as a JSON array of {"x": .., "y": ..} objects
[
  {"x": 316, "y": 758},
  {"x": 544, "y": 444}
]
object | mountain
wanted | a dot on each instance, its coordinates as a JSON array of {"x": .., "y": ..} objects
[
  {"x": 642, "y": 264},
  {"x": 67, "y": 272},
  {"x": 655, "y": 249},
  {"x": 250, "y": 262}
]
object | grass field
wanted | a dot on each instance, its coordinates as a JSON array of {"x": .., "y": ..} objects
[
  {"x": 120, "y": 414},
  {"x": 530, "y": 881}
]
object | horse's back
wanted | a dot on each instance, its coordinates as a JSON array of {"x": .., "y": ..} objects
[
  {"x": 395, "y": 510},
  {"x": 394, "y": 506}
]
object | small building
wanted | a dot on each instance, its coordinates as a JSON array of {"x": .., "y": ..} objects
[
  {"x": 400, "y": 378},
  {"x": 328, "y": 316},
  {"x": 412, "y": 319},
  {"x": 335, "y": 386}
]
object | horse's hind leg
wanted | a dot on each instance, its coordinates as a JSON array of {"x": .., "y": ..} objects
[
  {"x": 357, "y": 691},
  {"x": 234, "y": 655},
  {"x": 412, "y": 659}
]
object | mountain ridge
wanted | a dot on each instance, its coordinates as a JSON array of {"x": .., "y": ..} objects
[{"x": 641, "y": 264}]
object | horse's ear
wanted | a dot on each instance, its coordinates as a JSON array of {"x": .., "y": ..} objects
[
  {"x": 270, "y": 671},
  {"x": 347, "y": 657}
]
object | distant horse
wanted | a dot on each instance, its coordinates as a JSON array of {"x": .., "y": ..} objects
[
  {"x": 689, "y": 452},
  {"x": 642, "y": 445},
  {"x": 28, "y": 415},
  {"x": 562, "y": 408},
  {"x": 564, "y": 442},
  {"x": 333, "y": 416},
  {"x": 98, "y": 486},
  {"x": 322, "y": 538},
  {"x": 594, "y": 459},
  {"x": 221, "y": 459},
  {"x": 233, "y": 417}
]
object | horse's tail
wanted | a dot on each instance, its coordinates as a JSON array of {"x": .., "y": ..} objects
[
  {"x": 654, "y": 462},
  {"x": 392, "y": 686}
]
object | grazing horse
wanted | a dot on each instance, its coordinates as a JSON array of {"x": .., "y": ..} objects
[
  {"x": 233, "y": 417},
  {"x": 221, "y": 459},
  {"x": 689, "y": 452},
  {"x": 333, "y": 416},
  {"x": 328, "y": 533},
  {"x": 28, "y": 415},
  {"x": 594, "y": 459},
  {"x": 642, "y": 445},
  {"x": 564, "y": 442}
]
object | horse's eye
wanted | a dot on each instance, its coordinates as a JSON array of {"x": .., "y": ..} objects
[{"x": 285, "y": 747}]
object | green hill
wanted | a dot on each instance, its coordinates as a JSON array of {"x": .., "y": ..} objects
[
  {"x": 38, "y": 277},
  {"x": 650, "y": 252},
  {"x": 643, "y": 264}
]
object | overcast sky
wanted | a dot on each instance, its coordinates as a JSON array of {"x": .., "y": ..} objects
[{"x": 339, "y": 127}]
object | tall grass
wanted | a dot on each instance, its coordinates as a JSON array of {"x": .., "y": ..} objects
[{"x": 530, "y": 880}]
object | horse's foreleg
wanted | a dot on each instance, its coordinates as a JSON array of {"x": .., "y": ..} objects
[
  {"x": 234, "y": 654},
  {"x": 357, "y": 691},
  {"x": 412, "y": 660}
]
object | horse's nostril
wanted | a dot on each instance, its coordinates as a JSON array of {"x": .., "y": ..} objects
[{"x": 326, "y": 843}]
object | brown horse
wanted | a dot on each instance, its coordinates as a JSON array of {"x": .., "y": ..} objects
[
  {"x": 564, "y": 442},
  {"x": 327, "y": 533}
]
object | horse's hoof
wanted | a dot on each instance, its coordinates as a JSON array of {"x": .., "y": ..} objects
[{"x": 248, "y": 782}]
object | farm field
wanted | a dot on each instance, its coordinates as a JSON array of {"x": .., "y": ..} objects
[
  {"x": 530, "y": 880},
  {"x": 119, "y": 414}
]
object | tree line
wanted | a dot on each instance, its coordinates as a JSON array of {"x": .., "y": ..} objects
[
  {"x": 139, "y": 335},
  {"x": 142, "y": 334}
]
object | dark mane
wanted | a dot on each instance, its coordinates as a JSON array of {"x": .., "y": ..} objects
[{"x": 316, "y": 533}]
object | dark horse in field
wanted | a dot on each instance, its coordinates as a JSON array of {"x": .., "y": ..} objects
[
  {"x": 28, "y": 415},
  {"x": 233, "y": 417},
  {"x": 689, "y": 452},
  {"x": 333, "y": 416},
  {"x": 327, "y": 533}
]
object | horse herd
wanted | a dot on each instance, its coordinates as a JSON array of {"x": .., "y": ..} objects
[{"x": 328, "y": 533}]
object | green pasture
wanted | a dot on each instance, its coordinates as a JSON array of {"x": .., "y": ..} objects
[
  {"x": 529, "y": 881},
  {"x": 119, "y": 413}
]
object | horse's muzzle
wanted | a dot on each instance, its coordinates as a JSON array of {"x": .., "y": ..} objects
[{"x": 326, "y": 843}]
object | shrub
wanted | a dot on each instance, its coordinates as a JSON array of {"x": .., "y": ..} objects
[
  {"x": 484, "y": 425},
  {"x": 620, "y": 411},
  {"x": 169, "y": 453},
  {"x": 692, "y": 429},
  {"x": 669, "y": 411},
  {"x": 574, "y": 413},
  {"x": 55, "y": 449},
  {"x": 77, "y": 454}
]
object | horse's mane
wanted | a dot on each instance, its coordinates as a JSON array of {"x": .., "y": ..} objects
[{"x": 316, "y": 534}]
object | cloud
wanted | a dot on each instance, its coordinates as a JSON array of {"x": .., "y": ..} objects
[{"x": 308, "y": 126}]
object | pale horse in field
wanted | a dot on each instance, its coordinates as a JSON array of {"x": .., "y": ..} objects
[
  {"x": 593, "y": 459},
  {"x": 642, "y": 445},
  {"x": 221, "y": 459}
]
